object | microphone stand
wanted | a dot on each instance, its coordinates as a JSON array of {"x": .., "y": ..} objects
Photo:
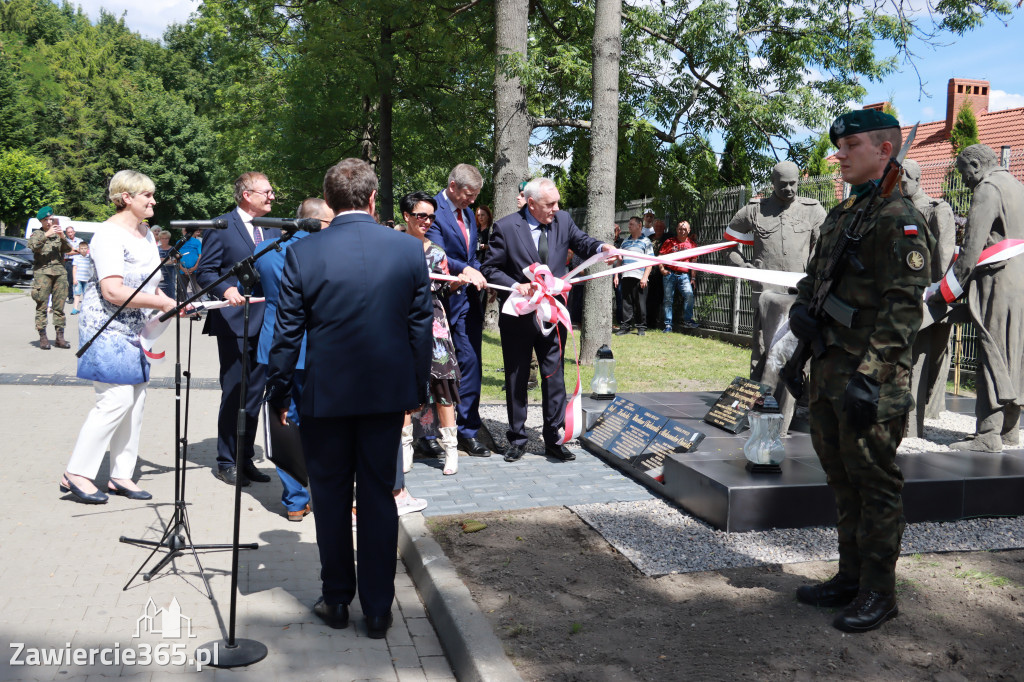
[
  {"x": 177, "y": 536},
  {"x": 231, "y": 652}
]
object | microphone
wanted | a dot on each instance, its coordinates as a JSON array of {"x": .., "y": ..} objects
[
  {"x": 188, "y": 225},
  {"x": 304, "y": 224}
]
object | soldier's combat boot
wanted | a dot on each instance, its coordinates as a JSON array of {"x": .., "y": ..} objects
[
  {"x": 838, "y": 591},
  {"x": 60, "y": 342},
  {"x": 870, "y": 610},
  {"x": 44, "y": 342}
]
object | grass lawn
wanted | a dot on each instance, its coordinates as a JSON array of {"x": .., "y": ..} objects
[
  {"x": 655, "y": 362},
  {"x": 9, "y": 290}
]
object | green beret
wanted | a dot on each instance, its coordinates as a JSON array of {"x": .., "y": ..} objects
[
  {"x": 522, "y": 185},
  {"x": 860, "y": 121},
  {"x": 44, "y": 213}
]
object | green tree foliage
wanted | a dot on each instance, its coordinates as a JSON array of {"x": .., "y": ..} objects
[
  {"x": 965, "y": 129},
  {"x": 17, "y": 130},
  {"x": 26, "y": 185},
  {"x": 817, "y": 160}
]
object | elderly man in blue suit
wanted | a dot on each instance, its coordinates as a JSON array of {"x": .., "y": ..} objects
[
  {"x": 537, "y": 233},
  {"x": 360, "y": 295},
  {"x": 222, "y": 249},
  {"x": 455, "y": 231}
]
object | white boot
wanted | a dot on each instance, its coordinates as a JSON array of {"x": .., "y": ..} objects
[
  {"x": 407, "y": 448},
  {"x": 451, "y": 450}
]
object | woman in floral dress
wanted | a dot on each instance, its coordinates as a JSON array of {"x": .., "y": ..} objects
[{"x": 418, "y": 211}]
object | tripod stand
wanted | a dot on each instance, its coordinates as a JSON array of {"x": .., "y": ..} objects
[{"x": 177, "y": 537}]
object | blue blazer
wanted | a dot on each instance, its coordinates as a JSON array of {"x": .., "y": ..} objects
[
  {"x": 270, "y": 268},
  {"x": 512, "y": 249},
  {"x": 445, "y": 232},
  {"x": 360, "y": 294},
  {"x": 221, "y": 250}
]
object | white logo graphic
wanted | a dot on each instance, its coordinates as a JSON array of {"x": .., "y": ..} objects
[{"x": 164, "y": 622}]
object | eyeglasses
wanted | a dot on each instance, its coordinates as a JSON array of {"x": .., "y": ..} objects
[
  {"x": 424, "y": 216},
  {"x": 266, "y": 192}
]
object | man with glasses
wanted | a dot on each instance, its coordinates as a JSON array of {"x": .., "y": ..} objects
[
  {"x": 222, "y": 249},
  {"x": 455, "y": 231}
]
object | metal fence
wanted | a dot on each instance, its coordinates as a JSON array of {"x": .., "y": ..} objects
[{"x": 723, "y": 303}]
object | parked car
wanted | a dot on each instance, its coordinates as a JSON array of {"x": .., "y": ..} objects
[
  {"x": 15, "y": 246},
  {"x": 15, "y": 270}
]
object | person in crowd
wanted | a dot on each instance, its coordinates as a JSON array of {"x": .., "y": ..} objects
[
  {"x": 168, "y": 278},
  {"x": 191, "y": 251},
  {"x": 484, "y": 220},
  {"x": 521, "y": 198},
  {"x": 648, "y": 224},
  {"x": 419, "y": 211},
  {"x": 115, "y": 362},
  {"x": 859, "y": 386},
  {"x": 69, "y": 234},
  {"x": 455, "y": 231},
  {"x": 617, "y": 238},
  {"x": 634, "y": 282},
  {"x": 655, "y": 283},
  {"x": 49, "y": 277},
  {"x": 81, "y": 272},
  {"x": 222, "y": 249},
  {"x": 677, "y": 279},
  {"x": 294, "y": 496},
  {"x": 537, "y": 233},
  {"x": 370, "y": 369}
]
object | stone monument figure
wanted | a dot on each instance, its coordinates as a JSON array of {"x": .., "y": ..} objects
[
  {"x": 931, "y": 348},
  {"x": 993, "y": 294},
  {"x": 783, "y": 229}
]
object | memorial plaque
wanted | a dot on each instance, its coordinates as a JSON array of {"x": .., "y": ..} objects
[
  {"x": 624, "y": 429},
  {"x": 729, "y": 413}
]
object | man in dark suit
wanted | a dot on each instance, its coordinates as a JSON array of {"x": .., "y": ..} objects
[
  {"x": 537, "y": 233},
  {"x": 455, "y": 231},
  {"x": 360, "y": 294},
  {"x": 222, "y": 249}
]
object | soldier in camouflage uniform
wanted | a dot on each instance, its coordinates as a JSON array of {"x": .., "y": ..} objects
[
  {"x": 50, "y": 279},
  {"x": 860, "y": 386}
]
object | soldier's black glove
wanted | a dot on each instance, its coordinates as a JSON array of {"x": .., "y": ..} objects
[
  {"x": 861, "y": 401},
  {"x": 803, "y": 325}
]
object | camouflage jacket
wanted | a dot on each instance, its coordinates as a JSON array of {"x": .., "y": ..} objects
[
  {"x": 895, "y": 251},
  {"x": 49, "y": 252}
]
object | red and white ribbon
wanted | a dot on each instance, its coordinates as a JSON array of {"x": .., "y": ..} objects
[
  {"x": 951, "y": 289},
  {"x": 740, "y": 237}
]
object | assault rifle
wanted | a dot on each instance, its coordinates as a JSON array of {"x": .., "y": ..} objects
[{"x": 844, "y": 254}]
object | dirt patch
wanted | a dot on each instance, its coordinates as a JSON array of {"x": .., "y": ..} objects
[{"x": 568, "y": 606}]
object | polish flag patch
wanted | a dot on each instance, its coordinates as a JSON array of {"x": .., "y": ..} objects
[{"x": 910, "y": 230}]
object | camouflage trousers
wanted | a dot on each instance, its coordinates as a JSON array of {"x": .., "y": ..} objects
[
  {"x": 861, "y": 471},
  {"x": 45, "y": 287}
]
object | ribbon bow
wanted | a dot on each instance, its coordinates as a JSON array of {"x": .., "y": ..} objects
[{"x": 548, "y": 309}]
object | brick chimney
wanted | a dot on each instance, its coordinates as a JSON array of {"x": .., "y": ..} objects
[{"x": 961, "y": 90}]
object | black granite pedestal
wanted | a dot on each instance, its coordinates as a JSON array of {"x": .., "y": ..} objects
[{"x": 713, "y": 484}]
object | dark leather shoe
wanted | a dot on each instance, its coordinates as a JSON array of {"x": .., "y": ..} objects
[
  {"x": 229, "y": 476},
  {"x": 870, "y": 610},
  {"x": 514, "y": 453},
  {"x": 837, "y": 591},
  {"x": 98, "y": 497},
  {"x": 377, "y": 626},
  {"x": 119, "y": 489},
  {"x": 253, "y": 473},
  {"x": 559, "y": 452},
  {"x": 335, "y": 615},
  {"x": 473, "y": 447},
  {"x": 431, "y": 447},
  {"x": 622, "y": 331}
]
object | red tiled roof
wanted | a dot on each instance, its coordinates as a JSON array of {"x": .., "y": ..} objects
[{"x": 996, "y": 129}]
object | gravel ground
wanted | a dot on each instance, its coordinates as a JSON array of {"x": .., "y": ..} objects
[{"x": 659, "y": 538}]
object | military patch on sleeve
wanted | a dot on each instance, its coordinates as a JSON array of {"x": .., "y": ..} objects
[
  {"x": 915, "y": 260},
  {"x": 910, "y": 230}
]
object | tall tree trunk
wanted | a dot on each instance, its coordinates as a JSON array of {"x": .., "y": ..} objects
[
  {"x": 385, "y": 165},
  {"x": 604, "y": 139},
  {"x": 512, "y": 123}
]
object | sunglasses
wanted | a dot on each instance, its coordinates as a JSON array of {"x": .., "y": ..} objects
[{"x": 424, "y": 216}]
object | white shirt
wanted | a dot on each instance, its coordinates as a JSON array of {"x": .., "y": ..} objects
[{"x": 247, "y": 219}]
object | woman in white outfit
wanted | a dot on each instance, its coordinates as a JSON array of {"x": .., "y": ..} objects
[{"x": 116, "y": 362}]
